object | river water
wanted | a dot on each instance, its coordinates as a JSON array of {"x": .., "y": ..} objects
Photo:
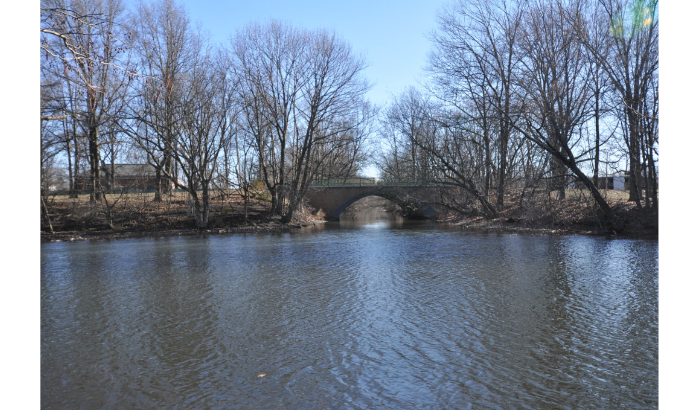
[{"x": 351, "y": 316}]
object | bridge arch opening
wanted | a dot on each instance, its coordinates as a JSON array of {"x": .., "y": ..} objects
[
  {"x": 392, "y": 202},
  {"x": 372, "y": 208}
]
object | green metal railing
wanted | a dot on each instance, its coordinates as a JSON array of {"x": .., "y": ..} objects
[
  {"x": 368, "y": 182},
  {"x": 343, "y": 182}
]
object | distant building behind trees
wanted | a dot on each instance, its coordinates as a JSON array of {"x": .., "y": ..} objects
[{"x": 123, "y": 177}]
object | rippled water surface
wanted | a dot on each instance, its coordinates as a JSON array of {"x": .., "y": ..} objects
[{"x": 354, "y": 316}]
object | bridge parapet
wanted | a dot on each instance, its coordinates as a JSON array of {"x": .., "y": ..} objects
[
  {"x": 369, "y": 182},
  {"x": 343, "y": 182}
]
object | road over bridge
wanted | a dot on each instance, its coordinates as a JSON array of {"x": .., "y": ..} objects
[{"x": 416, "y": 200}]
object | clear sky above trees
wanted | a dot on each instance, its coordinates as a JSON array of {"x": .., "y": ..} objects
[{"x": 391, "y": 34}]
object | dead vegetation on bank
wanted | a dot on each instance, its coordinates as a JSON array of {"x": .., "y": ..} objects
[
  {"x": 138, "y": 215},
  {"x": 577, "y": 214}
]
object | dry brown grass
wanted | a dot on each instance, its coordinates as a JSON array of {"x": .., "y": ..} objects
[
  {"x": 139, "y": 212},
  {"x": 577, "y": 213}
]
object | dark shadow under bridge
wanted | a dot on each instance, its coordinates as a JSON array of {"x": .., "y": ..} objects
[{"x": 335, "y": 196}]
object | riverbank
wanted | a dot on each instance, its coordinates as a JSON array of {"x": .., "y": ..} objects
[
  {"x": 111, "y": 234},
  {"x": 577, "y": 216},
  {"x": 138, "y": 216}
]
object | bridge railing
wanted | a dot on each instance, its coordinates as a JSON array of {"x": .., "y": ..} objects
[
  {"x": 343, "y": 182},
  {"x": 361, "y": 182}
]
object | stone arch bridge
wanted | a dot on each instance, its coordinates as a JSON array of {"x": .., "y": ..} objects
[{"x": 415, "y": 200}]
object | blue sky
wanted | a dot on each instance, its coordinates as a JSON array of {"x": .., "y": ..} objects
[{"x": 391, "y": 34}]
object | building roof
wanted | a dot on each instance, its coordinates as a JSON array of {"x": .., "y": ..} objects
[
  {"x": 133, "y": 170},
  {"x": 125, "y": 171}
]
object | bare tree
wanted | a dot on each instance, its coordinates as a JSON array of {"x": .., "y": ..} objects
[
  {"x": 327, "y": 107},
  {"x": 343, "y": 155},
  {"x": 61, "y": 116},
  {"x": 409, "y": 119},
  {"x": 83, "y": 37},
  {"x": 166, "y": 46},
  {"x": 650, "y": 141},
  {"x": 269, "y": 63},
  {"x": 555, "y": 73},
  {"x": 437, "y": 149},
  {"x": 298, "y": 89},
  {"x": 245, "y": 168},
  {"x": 596, "y": 36},
  {"x": 53, "y": 136},
  {"x": 474, "y": 67},
  {"x": 630, "y": 58},
  {"x": 202, "y": 101}
]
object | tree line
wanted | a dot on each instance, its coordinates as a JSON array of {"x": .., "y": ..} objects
[
  {"x": 277, "y": 104},
  {"x": 525, "y": 95},
  {"x": 519, "y": 96}
]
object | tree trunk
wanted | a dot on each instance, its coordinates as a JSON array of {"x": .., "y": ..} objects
[
  {"x": 158, "y": 197},
  {"x": 557, "y": 175},
  {"x": 608, "y": 216},
  {"x": 76, "y": 162},
  {"x": 634, "y": 160},
  {"x": 487, "y": 166},
  {"x": 634, "y": 177},
  {"x": 94, "y": 151},
  {"x": 46, "y": 213},
  {"x": 200, "y": 209},
  {"x": 503, "y": 153},
  {"x": 245, "y": 204},
  {"x": 596, "y": 160},
  {"x": 71, "y": 179}
]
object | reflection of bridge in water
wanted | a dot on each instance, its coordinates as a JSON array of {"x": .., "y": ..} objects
[{"x": 334, "y": 196}]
